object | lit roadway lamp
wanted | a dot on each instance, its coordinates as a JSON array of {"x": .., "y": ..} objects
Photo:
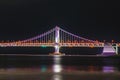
[{"x": 112, "y": 41}]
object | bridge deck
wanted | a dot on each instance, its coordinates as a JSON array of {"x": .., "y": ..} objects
[{"x": 52, "y": 44}]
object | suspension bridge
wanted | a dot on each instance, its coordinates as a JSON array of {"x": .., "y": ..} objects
[{"x": 57, "y": 38}]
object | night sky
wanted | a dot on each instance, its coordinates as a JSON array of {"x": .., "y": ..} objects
[{"x": 92, "y": 19}]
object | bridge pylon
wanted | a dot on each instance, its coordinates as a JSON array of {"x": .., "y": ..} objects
[{"x": 57, "y": 40}]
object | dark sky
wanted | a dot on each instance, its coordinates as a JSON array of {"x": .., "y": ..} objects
[{"x": 93, "y": 19}]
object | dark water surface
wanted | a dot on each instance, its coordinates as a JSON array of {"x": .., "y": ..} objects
[{"x": 43, "y": 67}]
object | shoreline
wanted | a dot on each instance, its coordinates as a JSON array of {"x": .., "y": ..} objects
[{"x": 60, "y": 55}]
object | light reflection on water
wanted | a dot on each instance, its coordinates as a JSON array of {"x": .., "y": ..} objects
[
  {"x": 58, "y": 71},
  {"x": 57, "y": 68},
  {"x": 57, "y": 77},
  {"x": 109, "y": 69}
]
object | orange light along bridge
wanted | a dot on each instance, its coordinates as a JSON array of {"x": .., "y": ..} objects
[{"x": 57, "y": 38}]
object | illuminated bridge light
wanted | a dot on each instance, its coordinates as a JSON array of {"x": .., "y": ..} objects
[
  {"x": 43, "y": 46},
  {"x": 49, "y": 38}
]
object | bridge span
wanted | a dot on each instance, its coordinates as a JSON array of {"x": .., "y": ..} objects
[{"x": 57, "y": 38}]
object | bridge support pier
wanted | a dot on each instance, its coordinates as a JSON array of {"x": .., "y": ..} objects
[
  {"x": 116, "y": 49},
  {"x": 115, "y": 46},
  {"x": 56, "y": 50}
]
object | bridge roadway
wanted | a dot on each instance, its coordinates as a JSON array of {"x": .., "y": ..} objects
[{"x": 51, "y": 44}]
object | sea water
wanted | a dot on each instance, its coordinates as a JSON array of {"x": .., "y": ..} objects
[{"x": 67, "y": 67}]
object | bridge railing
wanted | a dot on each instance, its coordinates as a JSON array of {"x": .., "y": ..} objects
[
  {"x": 82, "y": 44},
  {"x": 36, "y": 44}
]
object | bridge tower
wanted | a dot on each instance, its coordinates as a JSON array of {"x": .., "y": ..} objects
[{"x": 57, "y": 40}]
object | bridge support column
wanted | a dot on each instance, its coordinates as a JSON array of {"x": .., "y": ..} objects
[
  {"x": 57, "y": 40},
  {"x": 116, "y": 49}
]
